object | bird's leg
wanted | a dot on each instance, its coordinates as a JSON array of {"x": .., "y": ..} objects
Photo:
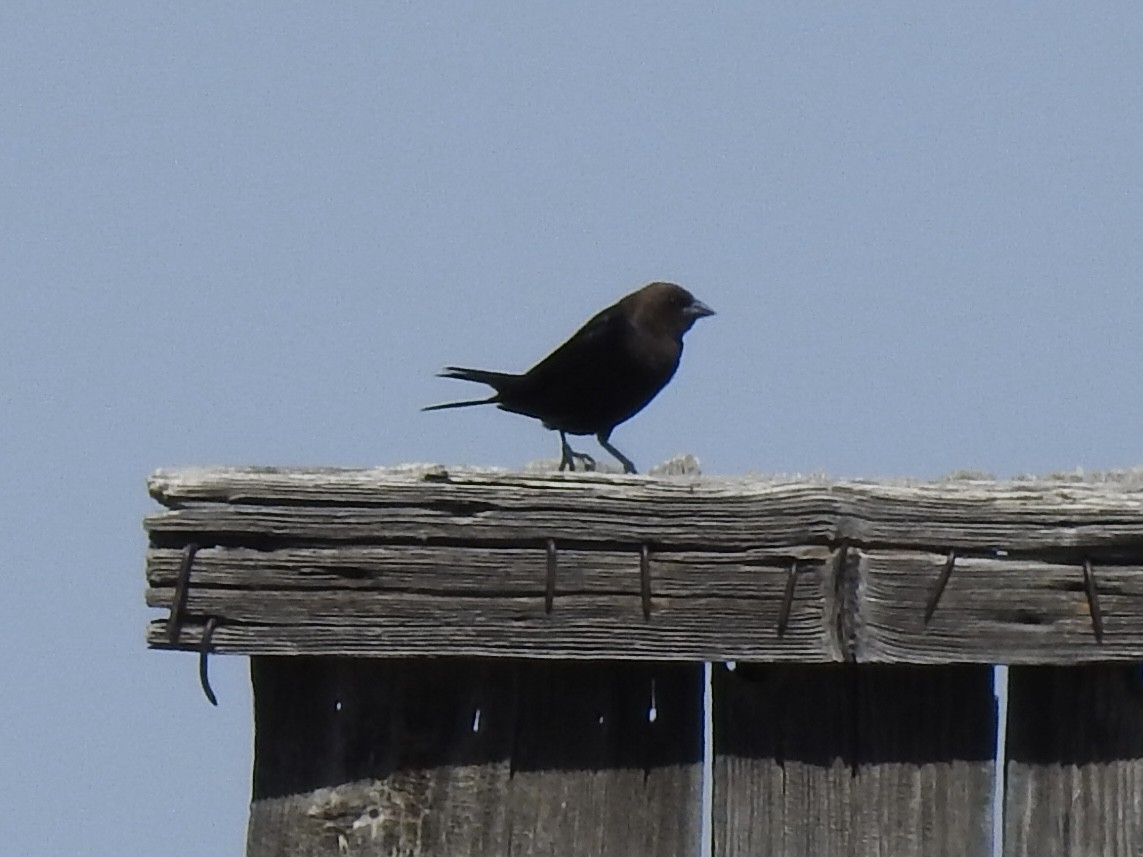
[
  {"x": 567, "y": 460},
  {"x": 568, "y": 456},
  {"x": 603, "y": 438}
]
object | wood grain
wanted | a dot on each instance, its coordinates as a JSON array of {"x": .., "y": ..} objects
[
  {"x": 847, "y": 759},
  {"x": 471, "y": 757},
  {"x": 1075, "y": 761},
  {"x": 424, "y": 561}
]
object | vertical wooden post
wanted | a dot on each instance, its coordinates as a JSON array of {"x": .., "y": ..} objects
[
  {"x": 458, "y": 757},
  {"x": 842, "y": 759},
  {"x": 1075, "y": 761}
]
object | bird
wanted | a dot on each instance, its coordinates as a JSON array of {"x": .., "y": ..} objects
[{"x": 603, "y": 375}]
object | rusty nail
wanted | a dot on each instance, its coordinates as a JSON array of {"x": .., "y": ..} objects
[
  {"x": 182, "y": 585},
  {"x": 1093, "y": 600},
  {"x": 550, "y": 582},
  {"x": 645, "y": 579},
  {"x": 203, "y": 656},
  {"x": 939, "y": 589},
  {"x": 787, "y": 598}
]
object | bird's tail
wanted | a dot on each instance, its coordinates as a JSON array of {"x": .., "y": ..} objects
[
  {"x": 493, "y": 379},
  {"x": 496, "y": 380},
  {"x": 465, "y": 404}
]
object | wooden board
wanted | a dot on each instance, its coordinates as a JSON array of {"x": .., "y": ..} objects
[
  {"x": 471, "y": 757},
  {"x": 848, "y": 759},
  {"x": 423, "y": 561},
  {"x": 1075, "y": 761}
]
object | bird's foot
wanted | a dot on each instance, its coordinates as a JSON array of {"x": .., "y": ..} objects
[
  {"x": 570, "y": 457},
  {"x": 604, "y": 441},
  {"x": 588, "y": 461}
]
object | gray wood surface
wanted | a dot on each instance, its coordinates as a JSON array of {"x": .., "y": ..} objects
[
  {"x": 1103, "y": 512},
  {"x": 1013, "y": 609},
  {"x": 459, "y": 600},
  {"x": 818, "y": 761},
  {"x": 469, "y": 757},
  {"x": 1075, "y": 762},
  {"x": 379, "y": 755},
  {"x": 423, "y": 561}
]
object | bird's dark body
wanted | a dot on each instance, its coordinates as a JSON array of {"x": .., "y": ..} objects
[{"x": 604, "y": 374}]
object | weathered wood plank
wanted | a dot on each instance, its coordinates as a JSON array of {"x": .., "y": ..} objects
[
  {"x": 995, "y": 609},
  {"x": 351, "y": 551},
  {"x": 847, "y": 759},
  {"x": 1075, "y": 761},
  {"x": 589, "y": 641},
  {"x": 763, "y": 526},
  {"x": 378, "y": 757},
  {"x": 580, "y": 625},
  {"x": 449, "y": 757},
  {"x": 1105, "y": 513},
  {"x": 608, "y": 760},
  {"x": 270, "y": 526},
  {"x": 1080, "y": 494},
  {"x": 350, "y": 608},
  {"x": 1011, "y": 609},
  {"x": 483, "y": 570}
]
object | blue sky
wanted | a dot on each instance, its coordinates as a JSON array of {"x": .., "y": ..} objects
[{"x": 251, "y": 233}]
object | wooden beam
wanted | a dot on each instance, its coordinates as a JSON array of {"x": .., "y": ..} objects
[
  {"x": 1075, "y": 761},
  {"x": 847, "y": 759},
  {"x": 420, "y": 561},
  {"x": 475, "y": 757},
  {"x": 1103, "y": 512}
]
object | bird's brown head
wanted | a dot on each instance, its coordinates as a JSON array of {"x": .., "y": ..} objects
[{"x": 667, "y": 307}]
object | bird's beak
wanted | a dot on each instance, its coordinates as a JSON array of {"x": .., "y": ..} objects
[{"x": 699, "y": 310}]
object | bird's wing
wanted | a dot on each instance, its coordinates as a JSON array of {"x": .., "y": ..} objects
[{"x": 601, "y": 339}]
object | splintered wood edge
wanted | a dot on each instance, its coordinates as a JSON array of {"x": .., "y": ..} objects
[{"x": 1118, "y": 491}]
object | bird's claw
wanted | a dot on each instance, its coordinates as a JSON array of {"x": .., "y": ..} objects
[
  {"x": 588, "y": 461},
  {"x": 569, "y": 458}
]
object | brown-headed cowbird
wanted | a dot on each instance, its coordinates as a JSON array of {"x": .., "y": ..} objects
[{"x": 605, "y": 374}]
